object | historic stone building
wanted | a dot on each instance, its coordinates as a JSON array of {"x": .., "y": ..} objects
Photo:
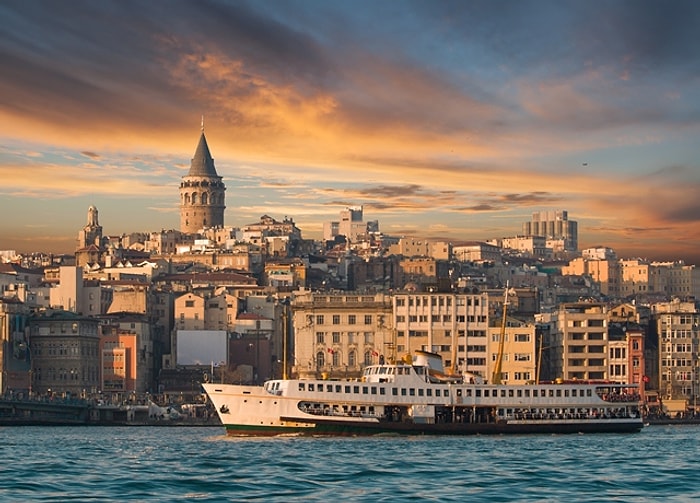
[{"x": 202, "y": 193}]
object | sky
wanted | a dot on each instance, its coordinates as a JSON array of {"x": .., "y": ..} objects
[{"x": 453, "y": 120}]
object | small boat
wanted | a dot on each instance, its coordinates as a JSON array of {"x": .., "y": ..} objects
[{"x": 414, "y": 396}]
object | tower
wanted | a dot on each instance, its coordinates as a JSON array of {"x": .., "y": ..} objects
[
  {"x": 91, "y": 234},
  {"x": 202, "y": 193}
]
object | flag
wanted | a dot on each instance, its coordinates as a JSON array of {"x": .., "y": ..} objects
[{"x": 645, "y": 378}]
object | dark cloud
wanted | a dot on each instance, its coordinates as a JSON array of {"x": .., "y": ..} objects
[
  {"x": 688, "y": 212},
  {"x": 91, "y": 155},
  {"x": 531, "y": 199},
  {"x": 477, "y": 208}
]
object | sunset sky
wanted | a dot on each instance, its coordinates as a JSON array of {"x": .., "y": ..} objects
[{"x": 444, "y": 119}]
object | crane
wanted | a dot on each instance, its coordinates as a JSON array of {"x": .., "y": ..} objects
[{"x": 496, "y": 378}]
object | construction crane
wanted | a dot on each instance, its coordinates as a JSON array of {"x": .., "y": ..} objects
[{"x": 496, "y": 378}]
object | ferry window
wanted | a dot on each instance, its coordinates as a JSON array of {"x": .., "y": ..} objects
[
  {"x": 519, "y": 394},
  {"x": 347, "y": 389},
  {"x": 469, "y": 392},
  {"x": 365, "y": 390},
  {"x": 382, "y": 391},
  {"x": 534, "y": 393},
  {"x": 311, "y": 387},
  {"x": 355, "y": 389},
  {"x": 437, "y": 392},
  {"x": 446, "y": 392},
  {"x": 403, "y": 391},
  {"x": 486, "y": 393},
  {"x": 374, "y": 390},
  {"x": 301, "y": 386},
  {"x": 429, "y": 392},
  {"x": 588, "y": 392},
  {"x": 510, "y": 393},
  {"x": 412, "y": 392},
  {"x": 329, "y": 388},
  {"x": 566, "y": 392},
  {"x": 503, "y": 393},
  {"x": 459, "y": 392},
  {"x": 558, "y": 393},
  {"x": 551, "y": 393},
  {"x": 478, "y": 393},
  {"x": 394, "y": 391},
  {"x": 527, "y": 393},
  {"x": 574, "y": 392},
  {"x": 338, "y": 387},
  {"x": 420, "y": 391}
]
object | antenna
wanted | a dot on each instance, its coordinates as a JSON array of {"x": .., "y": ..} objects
[{"x": 202, "y": 123}]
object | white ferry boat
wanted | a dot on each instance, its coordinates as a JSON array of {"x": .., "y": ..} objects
[{"x": 416, "y": 397}]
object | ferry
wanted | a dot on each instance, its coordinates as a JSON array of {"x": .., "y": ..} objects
[{"x": 414, "y": 396}]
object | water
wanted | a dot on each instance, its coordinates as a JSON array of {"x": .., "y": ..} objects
[{"x": 202, "y": 464}]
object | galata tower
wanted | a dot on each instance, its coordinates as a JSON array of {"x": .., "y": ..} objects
[{"x": 202, "y": 193}]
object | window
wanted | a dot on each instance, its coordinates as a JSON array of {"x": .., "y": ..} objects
[
  {"x": 189, "y": 303},
  {"x": 336, "y": 319},
  {"x": 319, "y": 337},
  {"x": 368, "y": 319},
  {"x": 319, "y": 319},
  {"x": 336, "y": 337},
  {"x": 351, "y": 319}
]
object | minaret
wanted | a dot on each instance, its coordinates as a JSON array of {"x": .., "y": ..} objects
[{"x": 202, "y": 193}]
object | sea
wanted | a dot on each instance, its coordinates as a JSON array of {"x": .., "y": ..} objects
[{"x": 95, "y": 463}]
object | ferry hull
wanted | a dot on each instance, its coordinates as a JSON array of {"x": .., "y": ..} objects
[{"x": 344, "y": 428}]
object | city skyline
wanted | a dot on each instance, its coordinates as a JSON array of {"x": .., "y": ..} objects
[{"x": 444, "y": 120}]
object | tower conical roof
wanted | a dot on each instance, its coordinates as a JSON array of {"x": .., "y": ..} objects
[{"x": 202, "y": 162}]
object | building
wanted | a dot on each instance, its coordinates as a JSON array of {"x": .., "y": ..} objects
[
  {"x": 15, "y": 358},
  {"x": 65, "y": 353},
  {"x": 118, "y": 364},
  {"x": 677, "y": 324},
  {"x": 202, "y": 193},
  {"x": 605, "y": 272},
  {"x": 580, "y": 341},
  {"x": 476, "y": 251},
  {"x": 90, "y": 240},
  {"x": 351, "y": 225},
  {"x": 519, "y": 356},
  {"x": 455, "y": 326},
  {"x": 553, "y": 225},
  {"x": 339, "y": 333}
]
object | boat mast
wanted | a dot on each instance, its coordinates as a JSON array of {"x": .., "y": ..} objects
[{"x": 496, "y": 378}]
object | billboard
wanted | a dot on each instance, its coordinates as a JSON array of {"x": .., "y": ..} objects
[{"x": 202, "y": 347}]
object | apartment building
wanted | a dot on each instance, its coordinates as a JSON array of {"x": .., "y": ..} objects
[
  {"x": 454, "y": 325},
  {"x": 580, "y": 341},
  {"x": 197, "y": 312},
  {"x": 520, "y": 358},
  {"x": 605, "y": 272},
  {"x": 677, "y": 324}
]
